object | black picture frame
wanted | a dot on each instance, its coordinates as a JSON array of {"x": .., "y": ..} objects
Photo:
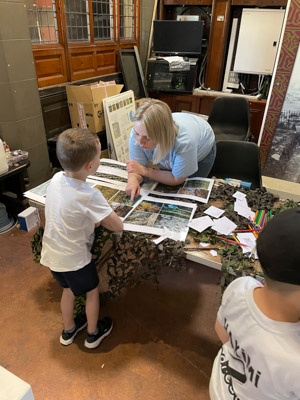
[{"x": 132, "y": 72}]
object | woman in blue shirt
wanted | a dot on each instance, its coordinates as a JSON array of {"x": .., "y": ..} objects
[{"x": 181, "y": 144}]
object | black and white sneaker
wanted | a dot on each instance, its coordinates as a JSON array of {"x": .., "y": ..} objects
[
  {"x": 105, "y": 326},
  {"x": 67, "y": 338}
]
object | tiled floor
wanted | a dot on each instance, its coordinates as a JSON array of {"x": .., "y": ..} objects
[{"x": 161, "y": 348}]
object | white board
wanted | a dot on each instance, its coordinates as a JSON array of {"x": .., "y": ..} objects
[{"x": 258, "y": 41}]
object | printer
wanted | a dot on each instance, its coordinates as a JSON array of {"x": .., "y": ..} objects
[{"x": 175, "y": 76}]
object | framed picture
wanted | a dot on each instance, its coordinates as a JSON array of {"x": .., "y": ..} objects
[{"x": 278, "y": 142}]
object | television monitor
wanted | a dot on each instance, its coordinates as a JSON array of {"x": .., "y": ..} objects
[{"x": 177, "y": 37}]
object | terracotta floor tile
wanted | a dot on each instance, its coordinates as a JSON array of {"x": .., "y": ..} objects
[{"x": 162, "y": 346}]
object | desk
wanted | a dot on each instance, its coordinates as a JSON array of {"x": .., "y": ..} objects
[{"x": 12, "y": 187}]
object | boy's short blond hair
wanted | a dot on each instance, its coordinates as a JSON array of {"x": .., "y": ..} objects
[
  {"x": 76, "y": 147},
  {"x": 160, "y": 126}
]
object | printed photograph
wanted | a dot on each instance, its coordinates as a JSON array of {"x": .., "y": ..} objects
[
  {"x": 107, "y": 192},
  {"x": 283, "y": 159},
  {"x": 194, "y": 192},
  {"x": 200, "y": 184},
  {"x": 122, "y": 198},
  {"x": 174, "y": 210},
  {"x": 170, "y": 222},
  {"x": 167, "y": 189},
  {"x": 141, "y": 218},
  {"x": 121, "y": 209},
  {"x": 112, "y": 165},
  {"x": 149, "y": 206},
  {"x": 116, "y": 130},
  {"x": 112, "y": 177}
]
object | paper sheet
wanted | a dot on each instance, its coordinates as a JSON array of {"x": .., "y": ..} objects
[
  {"x": 223, "y": 226},
  {"x": 214, "y": 211},
  {"x": 201, "y": 223}
]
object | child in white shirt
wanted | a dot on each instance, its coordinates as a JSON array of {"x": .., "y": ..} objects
[
  {"x": 259, "y": 324},
  {"x": 73, "y": 209}
]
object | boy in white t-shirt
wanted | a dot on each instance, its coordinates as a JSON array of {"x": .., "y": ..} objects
[
  {"x": 259, "y": 324},
  {"x": 73, "y": 210}
]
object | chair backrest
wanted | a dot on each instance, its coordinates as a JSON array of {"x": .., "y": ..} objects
[
  {"x": 230, "y": 118},
  {"x": 238, "y": 160}
]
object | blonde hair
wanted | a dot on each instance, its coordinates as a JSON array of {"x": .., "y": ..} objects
[
  {"x": 76, "y": 147},
  {"x": 160, "y": 126}
]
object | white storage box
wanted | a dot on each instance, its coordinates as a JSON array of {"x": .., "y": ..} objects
[
  {"x": 29, "y": 218},
  {"x": 13, "y": 388}
]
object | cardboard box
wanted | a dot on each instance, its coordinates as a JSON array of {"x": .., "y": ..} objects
[
  {"x": 29, "y": 218},
  {"x": 85, "y": 104}
]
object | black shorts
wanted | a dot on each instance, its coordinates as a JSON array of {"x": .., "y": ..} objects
[{"x": 81, "y": 281}]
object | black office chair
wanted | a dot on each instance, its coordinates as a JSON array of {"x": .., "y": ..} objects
[
  {"x": 238, "y": 160},
  {"x": 230, "y": 118}
]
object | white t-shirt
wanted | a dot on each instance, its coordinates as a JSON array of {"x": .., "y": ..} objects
[
  {"x": 193, "y": 143},
  {"x": 72, "y": 209},
  {"x": 261, "y": 361}
]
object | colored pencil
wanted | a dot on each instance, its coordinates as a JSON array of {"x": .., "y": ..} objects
[
  {"x": 199, "y": 248},
  {"x": 255, "y": 215},
  {"x": 260, "y": 215},
  {"x": 253, "y": 231},
  {"x": 254, "y": 225},
  {"x": 235, "y": 238},
  {"x": 264, "y": 220},
  {"x": 247, "y": 230},
  {"x": 231, "y": 241}
]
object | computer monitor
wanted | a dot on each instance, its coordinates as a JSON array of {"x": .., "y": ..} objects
[{"x": 177, "y": 37}]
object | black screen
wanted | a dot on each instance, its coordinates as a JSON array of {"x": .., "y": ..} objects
[{"x": 177, "y": 37}]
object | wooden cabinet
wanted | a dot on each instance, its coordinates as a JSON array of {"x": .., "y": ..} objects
[
  {"x": 185, "y": 103},
  {"x": 202, "y": 104}
]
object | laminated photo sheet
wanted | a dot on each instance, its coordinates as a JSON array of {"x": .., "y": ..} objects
[
  {"x": 113, "y": 171},
  {"x": 198, "y": 189},
  {"x": 38, "y": 193},
  {"x": 118, "y": 113},
  {"x": 118, "y": 199},
  {"x": 154, "y": 216}
]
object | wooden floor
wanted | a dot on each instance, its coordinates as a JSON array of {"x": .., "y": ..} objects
[{"x": 162, "y": 345}]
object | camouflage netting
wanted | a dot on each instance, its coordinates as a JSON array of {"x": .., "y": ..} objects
[
  {"x": 125, "y": 260},
  {"x": 132, "y": 258}
]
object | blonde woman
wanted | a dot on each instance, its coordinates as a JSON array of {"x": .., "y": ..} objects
[{"x": 181, "y": 144}]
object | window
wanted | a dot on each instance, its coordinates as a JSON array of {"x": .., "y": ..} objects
[
  {"x": 126, "y": 19},
  {"x": 80, "y": 39},
  {"x": 42, "y": 21},
  {"x": 103, "y": 19},
  {"x": 77, "y": 20}
]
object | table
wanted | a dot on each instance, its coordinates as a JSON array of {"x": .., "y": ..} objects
[{"x": 125, "y": 260}]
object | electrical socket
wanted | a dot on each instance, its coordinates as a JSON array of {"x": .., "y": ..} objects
[{"x": 233, "y": 77}]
